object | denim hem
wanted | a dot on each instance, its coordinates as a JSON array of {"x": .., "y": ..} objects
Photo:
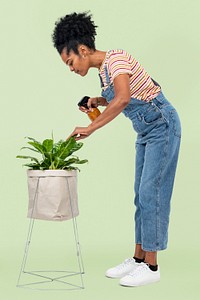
[
  {"x": 151, "y": 250},
  {"x": 140, "y": 243},
  {"x": 154, "y": 250}
]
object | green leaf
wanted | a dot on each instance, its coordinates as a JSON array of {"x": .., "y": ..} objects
[
  {"x": 65, "y": 148},
  {"x": 30, "y": 138},
  {"x": 83, "y": 161},
  {"x": 28, "y": 157},
  {"x": 30, "y": 149},
  {"x": 52, "y": 137},
  {"x": 71, "y": 161},
  {"x": 69, "y": 168},
  {"x": 48, "y": 145},
  {"x": 45, "y": 164},
  {"x": 33, "y": 166},
  {"x": 76, "y": 147},
  {"x": 37, "y": 146},
  {"x": 56, "y": 147}
]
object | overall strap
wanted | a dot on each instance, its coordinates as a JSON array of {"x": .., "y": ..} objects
[
  {"x": 155, "y": 82},
  {"x": 107, "y": 76},
  {"x": 101, "y": 81}
]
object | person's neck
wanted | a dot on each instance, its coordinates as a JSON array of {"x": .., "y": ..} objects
[{"x": 96, "y": 58}]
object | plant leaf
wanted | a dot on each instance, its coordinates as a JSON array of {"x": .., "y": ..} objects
[
  {"x": 28, "y": 157},
  {"x": 76, "y": 147},
  {"x": 33, "y": 166},
  {"x": 69, "y": 168},
  {"x": 52, "y": 137},
  {"x": 83, "y": 161},
  {"x": 45, "y": 164},
  {"x": 38, "y": 146},
  {"x": 71, "y": 161},
  {"x": 56, "y": 147},
  {"x": 48, "y": 145},
  {"x": 30, "y": 149},
  {"x": 32, "y": 139},
  {"x": 66, "y": 147}
]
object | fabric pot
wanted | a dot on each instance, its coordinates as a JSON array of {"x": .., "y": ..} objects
[{"x": 52, "y": 194}]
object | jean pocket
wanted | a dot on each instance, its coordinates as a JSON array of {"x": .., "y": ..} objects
[
  {"x": 176, "y": 124},
  {"x": 152, "y": 115}
]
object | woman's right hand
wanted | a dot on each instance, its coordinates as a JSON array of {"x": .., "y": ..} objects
[{"x": 92, "y": 102}]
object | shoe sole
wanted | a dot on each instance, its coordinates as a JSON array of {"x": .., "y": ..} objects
[
  {"x": 114, "y": 277},
  {"x": 135, "y": 285}
]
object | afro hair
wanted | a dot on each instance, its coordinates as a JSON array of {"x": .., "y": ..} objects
[{"x": 73, "y": 30}]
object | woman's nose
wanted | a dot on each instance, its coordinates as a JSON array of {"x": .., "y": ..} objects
[{"x": 71, "y": 68}]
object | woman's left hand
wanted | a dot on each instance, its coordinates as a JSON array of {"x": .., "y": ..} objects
[{"x": 81, "y": 133}]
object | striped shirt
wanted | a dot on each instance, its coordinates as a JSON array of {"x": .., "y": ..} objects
[{"x": 120, "y": 62}]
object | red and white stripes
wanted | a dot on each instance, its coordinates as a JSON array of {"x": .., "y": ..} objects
[{"x": 120, "y": 62}]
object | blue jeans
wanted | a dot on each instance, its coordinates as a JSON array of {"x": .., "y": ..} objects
[{"x": 157, "y": 147}]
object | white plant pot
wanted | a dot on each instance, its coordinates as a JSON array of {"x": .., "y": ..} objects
[{"x": 52, "y": 194}]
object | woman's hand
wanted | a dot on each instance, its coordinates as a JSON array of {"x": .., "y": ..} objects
[
  {"x": 81, "y": 133},
  {"x": 94, "y": 102}
]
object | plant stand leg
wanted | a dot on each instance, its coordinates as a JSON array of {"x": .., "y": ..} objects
[
  {"x": 76, "y": 237},
  {"x": 26, "y": 250},
  {"x": 29, "y": 236}
]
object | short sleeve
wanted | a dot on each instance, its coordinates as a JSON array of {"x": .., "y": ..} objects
[{"x": 118, "y": 63}]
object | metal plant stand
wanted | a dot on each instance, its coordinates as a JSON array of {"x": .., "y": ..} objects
[{"x": 48, "y": 277}]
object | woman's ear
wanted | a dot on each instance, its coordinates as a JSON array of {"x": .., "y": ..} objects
[{"x": 83, "y": 51}]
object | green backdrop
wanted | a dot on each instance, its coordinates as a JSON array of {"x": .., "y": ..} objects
[{"x": 39, "y": 94}]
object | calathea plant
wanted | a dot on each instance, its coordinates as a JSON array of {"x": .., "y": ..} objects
[{"x": 54, "y": 155}]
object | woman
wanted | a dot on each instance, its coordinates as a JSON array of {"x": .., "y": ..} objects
[{"x": 128, "y": 88}]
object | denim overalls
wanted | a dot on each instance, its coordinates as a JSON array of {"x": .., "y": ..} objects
[{"x": 157, "y": 146}]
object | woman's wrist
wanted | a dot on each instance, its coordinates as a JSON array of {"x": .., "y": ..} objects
[
  {"x": 91, "y": 128},
  {"x": 101, "y": 101}
]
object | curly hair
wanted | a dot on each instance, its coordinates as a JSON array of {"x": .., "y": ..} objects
[{"x": 73, "y": 30}]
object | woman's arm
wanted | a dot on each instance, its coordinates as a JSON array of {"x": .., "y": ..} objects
[{"x": 113, "y": 109}]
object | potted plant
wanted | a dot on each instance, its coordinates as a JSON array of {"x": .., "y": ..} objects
[{"x": 52, "y": 180}]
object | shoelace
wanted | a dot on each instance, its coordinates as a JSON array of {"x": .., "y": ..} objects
[
  {"x": 141, "y": 268},
  {"x": 127, "y": 261}
]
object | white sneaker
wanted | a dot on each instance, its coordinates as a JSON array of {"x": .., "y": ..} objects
[
  {"x": 123, "y": 269},
  {"x": 141, "y": 275}
]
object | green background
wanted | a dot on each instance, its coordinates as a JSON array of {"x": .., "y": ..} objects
[{"x": 39, "y": 94}]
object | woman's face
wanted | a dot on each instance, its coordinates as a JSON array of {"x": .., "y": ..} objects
[{"x": 77, "y": 63}]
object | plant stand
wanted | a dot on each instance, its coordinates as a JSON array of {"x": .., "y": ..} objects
[{"x": 51, "y": 279}]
